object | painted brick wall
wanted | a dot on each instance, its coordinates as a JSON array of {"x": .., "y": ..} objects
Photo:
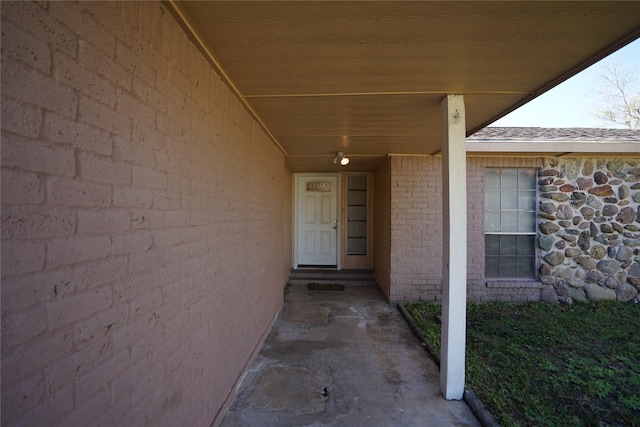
[
  {"x": 416, "y": 236},
  {"x": 382, "y": 226},
  {"x": 479, "y": 289},
  {"x": 416, "y": 218},
  {"x": 287, "y": 219},
  {"x": 142, "y": 223}
]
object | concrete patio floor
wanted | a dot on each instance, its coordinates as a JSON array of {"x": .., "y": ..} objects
[{"x": 343, "y": 358}]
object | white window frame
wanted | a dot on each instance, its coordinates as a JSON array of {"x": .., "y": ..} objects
[{"x": 517, "y": 210}]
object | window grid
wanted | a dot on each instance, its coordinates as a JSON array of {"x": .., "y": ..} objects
[
  {"x": 357, "y": 215},
  {"x": 510, "y": 223}
]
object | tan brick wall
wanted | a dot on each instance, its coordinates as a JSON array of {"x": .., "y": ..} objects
[
  {"x": 287, "y": 220},
  {"x": 382, "y": 226},
  {"x": 142, "y": 221},
  {"x": 478, "y": 288},
  {"x": 416, "y": 230},
  {"x": 416, "y": 218}
]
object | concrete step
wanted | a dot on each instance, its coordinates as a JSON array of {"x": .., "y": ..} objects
[{"x": 331, "y": 276}]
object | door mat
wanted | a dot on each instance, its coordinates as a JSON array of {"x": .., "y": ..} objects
[{"x": 324, "y": 287}]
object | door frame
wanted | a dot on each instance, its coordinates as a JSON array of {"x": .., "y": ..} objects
[{"x": 339, "y": 232}]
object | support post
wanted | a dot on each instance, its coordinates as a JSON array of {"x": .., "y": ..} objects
[{"x": 454, "y": 247}]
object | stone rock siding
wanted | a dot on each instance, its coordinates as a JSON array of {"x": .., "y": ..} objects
[{"x": 589, "y": 229}]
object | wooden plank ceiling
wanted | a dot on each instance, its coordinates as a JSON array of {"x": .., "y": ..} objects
[{"x": 366, "y": 78}]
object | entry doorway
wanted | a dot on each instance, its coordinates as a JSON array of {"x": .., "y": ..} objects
[
  {"x": 316, "y": 218},
  {"x": 333, "y": 221}
]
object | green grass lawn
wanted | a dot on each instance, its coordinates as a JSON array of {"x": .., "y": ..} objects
[{"x": 538, "y": 364}]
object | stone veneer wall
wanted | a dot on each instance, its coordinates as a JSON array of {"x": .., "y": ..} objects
[{"x": 589, "y": 229}]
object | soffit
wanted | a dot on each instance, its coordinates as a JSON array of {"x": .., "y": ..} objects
[{"x": 367, "y": 78}]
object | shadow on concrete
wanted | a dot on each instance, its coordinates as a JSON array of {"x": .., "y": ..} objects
[{"x": 343, "y": 358}]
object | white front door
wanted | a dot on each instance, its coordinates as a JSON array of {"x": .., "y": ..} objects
[{"x": 317, "y": 216}]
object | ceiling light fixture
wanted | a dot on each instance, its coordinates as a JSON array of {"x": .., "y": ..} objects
[{"x": 344, "y": 160}]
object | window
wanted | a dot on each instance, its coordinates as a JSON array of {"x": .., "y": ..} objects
[
  {"x": 357, "y": 215},
  {"x": 510, "y": 223}
]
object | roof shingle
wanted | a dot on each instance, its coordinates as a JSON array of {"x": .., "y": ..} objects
[{"x": 536, "y": 134}]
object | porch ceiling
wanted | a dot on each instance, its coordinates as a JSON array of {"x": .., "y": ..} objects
[{"x": 367, "y": 78}]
